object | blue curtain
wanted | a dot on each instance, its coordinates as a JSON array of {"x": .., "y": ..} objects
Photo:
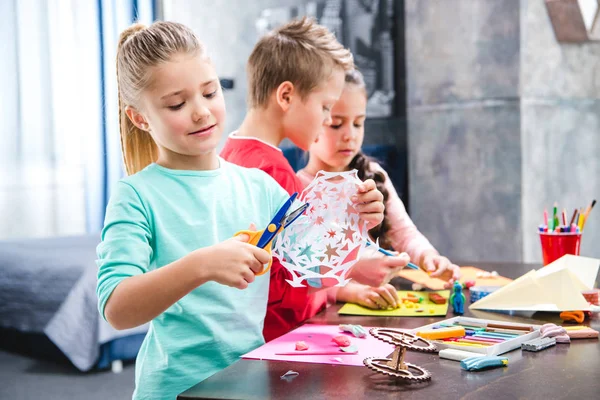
[
  {"x": 59, "y": 134},
  {"x": 105, "y": 166}
]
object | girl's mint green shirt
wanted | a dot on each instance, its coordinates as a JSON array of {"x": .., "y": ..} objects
[{"x": 159, "y": 215}]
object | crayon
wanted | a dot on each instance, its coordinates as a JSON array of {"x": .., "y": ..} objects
[{"x": 442, "y": 333}]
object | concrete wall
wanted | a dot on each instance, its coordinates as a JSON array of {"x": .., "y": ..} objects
[
  {"x": 560, "y": 127},
  {"x": 462, "y": 62}
]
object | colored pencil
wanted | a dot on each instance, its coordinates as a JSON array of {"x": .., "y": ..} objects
[
  {"x": 587, "y": 213},
  {"x": 573, "y": 217}
]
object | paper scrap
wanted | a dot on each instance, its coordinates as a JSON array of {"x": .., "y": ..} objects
[
  {"x": 350, "y": 349},
  {"x": 356, "y": 330},
  {"x": 301, "y": 346},
  {"x": 290, "y": 375}
]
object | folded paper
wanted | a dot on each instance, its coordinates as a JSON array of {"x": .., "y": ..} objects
[{"x": 555, "y": 288}]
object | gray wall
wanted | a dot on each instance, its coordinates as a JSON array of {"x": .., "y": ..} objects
[
  {"x": 560, "y": 127},
  {"x": 462, "y": 62},
  {"x": 503, "y": 121}
]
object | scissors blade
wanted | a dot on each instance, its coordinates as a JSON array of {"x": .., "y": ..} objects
[
  {"x": 277, "y": 221},
  {"x": 291, "y": 217}
]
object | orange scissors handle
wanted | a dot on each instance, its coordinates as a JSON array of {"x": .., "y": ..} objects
[{"x": 255, "y": 238}]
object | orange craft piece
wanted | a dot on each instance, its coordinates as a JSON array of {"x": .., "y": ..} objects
[
  {"x": 411, "y": 299},
  {"x": 436, "y": 298},
  {"x": 577, "y": 316},
  {"x": 342, "y": 341}
]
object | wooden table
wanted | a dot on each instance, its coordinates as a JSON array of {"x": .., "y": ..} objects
[{"x": 563, "y": 371}]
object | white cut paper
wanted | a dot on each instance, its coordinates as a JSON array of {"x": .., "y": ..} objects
[{"x": 321, "y": 248}]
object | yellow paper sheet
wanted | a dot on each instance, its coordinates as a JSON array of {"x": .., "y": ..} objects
[
  {"x": 467, "y": 274},
  {"x": 426, "y": 305}
]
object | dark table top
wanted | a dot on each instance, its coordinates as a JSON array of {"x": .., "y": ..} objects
[{"x": 562, "y": 371}]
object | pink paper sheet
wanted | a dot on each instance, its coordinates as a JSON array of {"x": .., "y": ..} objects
[{"x": 318, "y": 338}]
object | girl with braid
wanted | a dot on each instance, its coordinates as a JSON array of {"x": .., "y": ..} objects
[{"x": 339, "y": 149}]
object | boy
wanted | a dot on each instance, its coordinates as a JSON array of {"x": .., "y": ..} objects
[{"x": 295, "y": 76}]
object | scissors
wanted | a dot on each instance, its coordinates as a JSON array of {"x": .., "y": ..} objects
[{"x": 280, "y": 221}]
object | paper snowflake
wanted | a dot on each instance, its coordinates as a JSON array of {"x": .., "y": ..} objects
[{"x": 322, "y": 247}]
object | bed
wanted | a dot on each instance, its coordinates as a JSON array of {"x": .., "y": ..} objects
[{"x": 48, "y": 297}]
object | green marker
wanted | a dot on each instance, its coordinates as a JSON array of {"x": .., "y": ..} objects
[{"x": 554, "y": 218}]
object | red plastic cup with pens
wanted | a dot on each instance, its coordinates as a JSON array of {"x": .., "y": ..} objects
[{"x": 557, "y": 244}]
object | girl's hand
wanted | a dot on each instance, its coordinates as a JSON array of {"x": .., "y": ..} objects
[
  {"x": 369, "y": 203},
  {"x": 375, "y": 297},
  {"x": 375, "y": 269},
  {"x": 440, "y": 266},
  {"x": 235, "y": 263}
]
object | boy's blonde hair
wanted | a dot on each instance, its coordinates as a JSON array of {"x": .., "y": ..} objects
[
  {"x": 302, "y": 52},
  {"x": 139, "y": 49}
]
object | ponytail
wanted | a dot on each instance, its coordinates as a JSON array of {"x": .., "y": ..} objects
[
  {"x": 139, "y": 49},
  {"x": 139, "y": 149}
]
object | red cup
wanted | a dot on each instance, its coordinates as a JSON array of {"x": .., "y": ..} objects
[{"x": 555, "y": 245}]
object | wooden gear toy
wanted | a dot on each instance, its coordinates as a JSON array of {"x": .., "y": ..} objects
[{"x": 395, "y": 366}]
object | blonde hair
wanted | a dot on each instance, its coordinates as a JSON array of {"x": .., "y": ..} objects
[
  {"x": 302, "y": 52},
  {"x": 139, "y": 49}
]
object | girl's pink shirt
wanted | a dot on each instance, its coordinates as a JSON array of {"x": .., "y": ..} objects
[{"x": 403, "y": 233}]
